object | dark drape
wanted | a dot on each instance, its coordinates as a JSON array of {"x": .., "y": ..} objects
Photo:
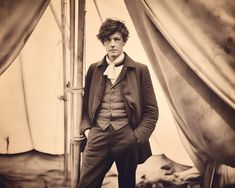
[
  {"x": 18, "y": 19},
  {"x": 190, "y": 45}
]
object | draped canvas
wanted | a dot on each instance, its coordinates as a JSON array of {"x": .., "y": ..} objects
[
  {"x": 191, "y": 47},
  {"x": 15, "y": 136},
  {"x": 18, "y": 18},
  {"x": 31, "y": 114}
]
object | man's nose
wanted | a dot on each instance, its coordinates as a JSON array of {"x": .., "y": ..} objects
[{"x": 112, "y": 42}]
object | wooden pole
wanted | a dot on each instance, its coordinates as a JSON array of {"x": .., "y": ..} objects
[
  {"x": 81, "y": 42},
  {"x": 65, "y": 78},
  {"x": 73, "y": 112},
  {"x": 72, "y": 65},
  {"x": 78, "y": 92}
]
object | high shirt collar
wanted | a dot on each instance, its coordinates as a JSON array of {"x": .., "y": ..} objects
[{"x": 117, "y": 60}]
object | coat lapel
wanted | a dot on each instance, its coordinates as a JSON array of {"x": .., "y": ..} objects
[
  {"x": 130, "y": 87},
  {"x": 97, "y": 87}
]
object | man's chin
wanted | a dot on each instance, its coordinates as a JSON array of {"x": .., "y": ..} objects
[{"x": 113, "y": 56}]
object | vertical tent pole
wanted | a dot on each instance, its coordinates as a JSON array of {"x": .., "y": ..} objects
[
  {"x": 72, "y": 64},
  {"x": 73, "y": 90},
  {"x": 77, "y": 96},
  {"x": 65, "y": 97},
  {"x": 81, "y": 43}
]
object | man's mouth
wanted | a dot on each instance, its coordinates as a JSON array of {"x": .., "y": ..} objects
[{"x": 112, "y": 50}]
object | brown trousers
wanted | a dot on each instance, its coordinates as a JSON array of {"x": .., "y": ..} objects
[{"x": 105, "y": 147}]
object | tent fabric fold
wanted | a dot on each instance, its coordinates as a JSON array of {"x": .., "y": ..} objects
[
  {"x": 17, "y": 21},
  {"x": 31, "y": 111},
  {"x": 15, "y": 135},
  {"x": 190, "y": 45}
]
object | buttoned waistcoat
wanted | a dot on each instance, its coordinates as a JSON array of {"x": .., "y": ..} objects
[{"x": 139, "y": 98}]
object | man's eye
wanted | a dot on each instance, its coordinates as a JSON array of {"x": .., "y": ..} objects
[{"x": 107, "y": 41}]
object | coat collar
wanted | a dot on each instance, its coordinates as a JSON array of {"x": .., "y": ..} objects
[{"x": 128, "y": 62}]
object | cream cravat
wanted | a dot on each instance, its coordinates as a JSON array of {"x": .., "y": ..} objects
[{"x": 111, "y": 71}]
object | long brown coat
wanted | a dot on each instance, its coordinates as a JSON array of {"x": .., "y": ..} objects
[{"x": 139, "y": 98}]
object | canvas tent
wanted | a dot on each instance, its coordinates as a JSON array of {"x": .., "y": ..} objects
[
  {"x": 192, "y": 61},
  {"x": 191, "y": 47}
]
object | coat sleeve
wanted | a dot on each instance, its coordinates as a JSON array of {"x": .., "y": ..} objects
[
  {"x": 149, "y": 106},
  {"x": 85, "y": 123}
]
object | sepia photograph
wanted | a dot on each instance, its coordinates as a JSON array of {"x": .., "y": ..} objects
[{"x": 117, "y": 94}]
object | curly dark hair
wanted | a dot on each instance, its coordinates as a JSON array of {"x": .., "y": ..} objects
[{"x": 111, "y": 26}]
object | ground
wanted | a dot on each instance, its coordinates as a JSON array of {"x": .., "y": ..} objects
[{"x": 39, "y": 170}]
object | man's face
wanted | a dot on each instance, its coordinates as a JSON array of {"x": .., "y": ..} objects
[{"x": 114, "y": 46}]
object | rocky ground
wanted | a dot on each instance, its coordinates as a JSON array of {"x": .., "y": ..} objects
[{"x": 38, "y": 170}]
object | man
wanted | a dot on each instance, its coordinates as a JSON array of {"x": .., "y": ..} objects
[{"x": 119, "y": 112}]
